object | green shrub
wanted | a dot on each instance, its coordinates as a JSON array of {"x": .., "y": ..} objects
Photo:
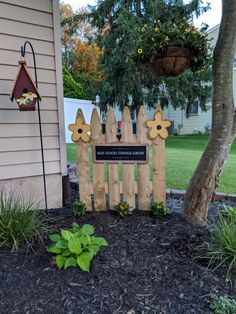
[
  {"x": 159, "y": 209},
  {"x": 222, "y": 248},
  {"x": 222, "y": 304},
  {"x": 123, "y": 209},
  {"x": 76, "y": 246},
  {"x": 79, "y": 209},
  {"x": 21, "y": 221}
]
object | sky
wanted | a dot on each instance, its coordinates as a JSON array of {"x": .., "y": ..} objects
[{"x": 212, "y": 17}]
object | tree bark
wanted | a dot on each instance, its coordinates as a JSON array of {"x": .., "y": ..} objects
[{"x": 204, "y": 182}]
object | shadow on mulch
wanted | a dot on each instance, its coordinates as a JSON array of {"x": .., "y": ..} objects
[{"x": 148, "y": 267}]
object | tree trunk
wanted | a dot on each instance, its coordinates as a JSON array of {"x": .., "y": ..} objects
[{"x": 204, "y": 182}]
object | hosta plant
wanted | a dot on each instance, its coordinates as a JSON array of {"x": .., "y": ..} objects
[
  {"x": 76, "y": 246},
  {"x": 159, "y": 209},
  {"x": 123, "y": 209}
]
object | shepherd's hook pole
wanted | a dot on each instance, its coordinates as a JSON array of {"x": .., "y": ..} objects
[{"x": 23, "y": 51}]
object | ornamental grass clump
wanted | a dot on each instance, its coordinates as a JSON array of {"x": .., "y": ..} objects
[
  {"x": 21, "y": 221},
  {"x": 221, "y": 250}
]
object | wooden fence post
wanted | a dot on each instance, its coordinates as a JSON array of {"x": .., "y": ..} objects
[
  {"x": 113, "y": 175},
  {"x": 98, "y": 169},
  {"x": 143, "y": 169},
  {"x": 128, "y": 169},
  {"x": 159, "y": 171},
  {"x": 83, "y": 166}
]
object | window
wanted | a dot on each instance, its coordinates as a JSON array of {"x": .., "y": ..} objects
[{"x": 192, "y": 110}]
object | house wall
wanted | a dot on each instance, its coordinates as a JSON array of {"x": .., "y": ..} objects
[
  {"x": 20, "y": 155},
  {"x": 190, "y": 125}
]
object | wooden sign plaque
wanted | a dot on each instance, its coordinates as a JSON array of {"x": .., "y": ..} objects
[{"x": 120, "y": 153}]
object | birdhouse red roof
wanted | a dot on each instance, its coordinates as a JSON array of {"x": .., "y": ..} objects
[{"x": 23, "y": 83}]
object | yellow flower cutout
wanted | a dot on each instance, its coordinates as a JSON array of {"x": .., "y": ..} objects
[
  {"x": 21, "y": 101},
  {"x": 79, "y": 130},
  {"x": 140, "y": 51},
  {"x": 29, "y": 96},
  {"x": 158, "y": 126}
]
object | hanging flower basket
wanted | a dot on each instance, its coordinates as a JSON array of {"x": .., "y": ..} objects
[
  {"x": 170, "y": 48},
  {"x": 172, "y": 62}
]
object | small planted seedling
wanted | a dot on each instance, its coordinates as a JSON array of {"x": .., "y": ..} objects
[
  {"x": 159, "y": 209},
  {"x": 76, "y": 246},
  {"x": 123, "y": 209},
  {"x": 79, "y": 209}
]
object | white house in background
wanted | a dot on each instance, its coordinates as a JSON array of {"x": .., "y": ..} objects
[
  {"x": 70, "y": 109},
  {"x": 196, "y": 120},
  {"x": 20, "y": 155}
]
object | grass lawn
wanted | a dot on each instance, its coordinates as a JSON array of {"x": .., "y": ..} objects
[{"x": 182, "y": 156}]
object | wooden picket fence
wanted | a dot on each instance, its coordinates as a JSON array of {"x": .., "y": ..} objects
[{"x": 98, "y": 187}]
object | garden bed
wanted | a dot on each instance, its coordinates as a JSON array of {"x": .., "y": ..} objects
[{"x": 149, "y": 266}]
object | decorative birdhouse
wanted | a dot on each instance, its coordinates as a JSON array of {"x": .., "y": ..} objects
[{"x": 24, "y": 91}]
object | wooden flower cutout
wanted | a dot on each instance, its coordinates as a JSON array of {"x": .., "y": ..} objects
[
  {"x": 79, "y": 129},
  {"x": 158, "y": 126}
]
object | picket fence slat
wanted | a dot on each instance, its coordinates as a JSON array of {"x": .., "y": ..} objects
[
  {"x": 159, "y": 177},
  {"x": 128, "y": 169},
  {"x": 83, "y": 165},
  {"x": 143, "y": 169},
  {"x": 113, "y": 175},
  {"x": 98, "y": 169}
]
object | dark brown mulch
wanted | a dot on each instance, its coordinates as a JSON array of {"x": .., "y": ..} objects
[{"x": 148, "y": 267}]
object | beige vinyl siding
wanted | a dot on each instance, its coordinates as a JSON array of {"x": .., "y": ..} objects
[
  {"x": 37, "y": 5},
  {"x": 20, "y": 154},
  {"x": 12, "y": 43}
]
